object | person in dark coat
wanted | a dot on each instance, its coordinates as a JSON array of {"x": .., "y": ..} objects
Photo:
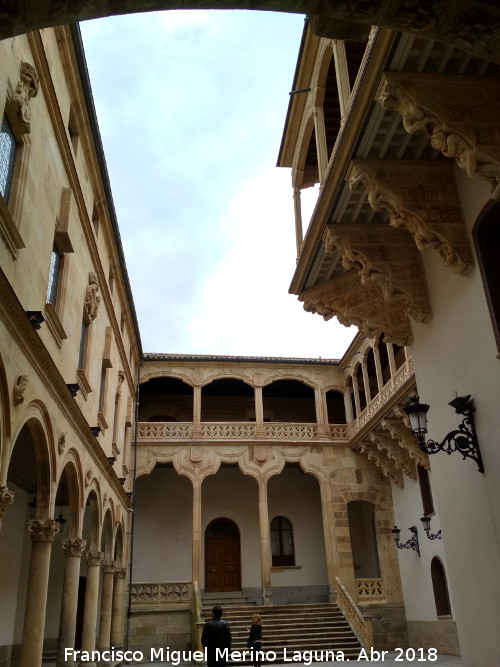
[
  {"x": 254, "y": 641},
  {"x": 216, "y": 635}
]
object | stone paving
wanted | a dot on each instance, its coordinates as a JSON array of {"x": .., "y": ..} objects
[{"x": 389, "y": 659}]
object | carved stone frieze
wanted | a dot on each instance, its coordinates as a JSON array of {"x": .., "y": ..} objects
[
  {"x": 363, "y": 306},
  {"x": 20, "y": 388},
  {"x": 460, "y": 118},
  {"x": 43, "y": 530},
  {"x": 74, "y": 547},
  {"x": 6, "y": 499},
  {"x": 420, "y": 197},
  {"x": 387, "y": 257},
  {"x": 26, "y": 89},
  {"x": 92, "y": 300}
]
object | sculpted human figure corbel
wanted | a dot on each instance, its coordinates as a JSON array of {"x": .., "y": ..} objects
[{"x": 92, "y": 301}]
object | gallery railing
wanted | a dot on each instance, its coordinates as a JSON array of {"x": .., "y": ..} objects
[
  {"x": 241, "y": 431},
  {"x": 370, "y": 590}
]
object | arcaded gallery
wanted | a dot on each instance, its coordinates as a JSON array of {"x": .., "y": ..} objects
[{"x": 357, "y": 497}]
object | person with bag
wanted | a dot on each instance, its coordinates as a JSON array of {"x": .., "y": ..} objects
[{"x": 254, "y": 641}]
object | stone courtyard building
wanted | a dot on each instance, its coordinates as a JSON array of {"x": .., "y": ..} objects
[{"x": 134, "y": 487}]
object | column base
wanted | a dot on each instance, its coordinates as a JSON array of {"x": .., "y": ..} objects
[{"x": 266, "y": 596}]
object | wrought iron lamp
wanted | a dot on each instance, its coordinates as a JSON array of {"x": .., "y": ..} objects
[
  {"x": 60, "y": 519},
  {"x": 36, "y": 318},
  {"x": 412, "y": 543},
  {"x": 32, "y": 506},
  {"x": 426, "y": 522},
  {"x": 463, "y": 439}
]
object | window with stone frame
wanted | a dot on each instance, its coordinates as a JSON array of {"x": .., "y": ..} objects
[
  {"x": 8, "y": 147},
  {"x": 282, "y": 549}
]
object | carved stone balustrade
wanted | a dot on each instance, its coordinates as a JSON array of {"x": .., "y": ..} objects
[
  {"x": 161, "y": 594},
  {"x": 241, "y": 431},
  {"x": 369, "y": 590}
]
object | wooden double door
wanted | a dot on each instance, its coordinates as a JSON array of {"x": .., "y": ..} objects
[{"x": 222, "y": 557}]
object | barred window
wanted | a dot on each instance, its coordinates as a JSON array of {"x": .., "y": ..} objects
[
  {"x": 55, "y": 265},
  {"x": 7, "y": 157}
]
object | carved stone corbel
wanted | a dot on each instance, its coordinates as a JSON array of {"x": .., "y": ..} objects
[
  {"x": 405, "y": 439},
  {"x": 387, "y": 467},
  {"x": 457, "y": 113},
  {"x": 6, "y": 499},
  {"x": 385, "y": 444},
  {"x": 422, "y": 198},
  {"x": 386, "y": 257},
  {"x": 363, "y": 306},
  {"x": 20, "y": 388},
  {"x": 27, "y": 88}
]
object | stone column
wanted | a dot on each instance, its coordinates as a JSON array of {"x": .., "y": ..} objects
[
  {"x": 259, "y": 413},
  {"x": 196, "y": 531},
  {"x": 196, "y": 411},
  {"x": 392, "y": 361},
  {"x": 330, "y": 545},
  {"x": 73, "y": 550},
  {"x": 6, "y": 499},
  {"x": 42, "y": 535},
  {"x": 348, "y": 403},
  {"x": 321, "y": 411},
  {"x": 342, "y": 75},
  {"x": 104, "y": 640},
  {"x": 378, "y": 368},
  {"x": 118, "y": 618},
  {"x": 366, "y": 382},
  {"x": 94, "y": 559},
  {"x": 297, "y": 207},
  {"x": 321, "y": 147},
  {"x": 355, "y": 391},
  {"x": 265, "y": 542}
]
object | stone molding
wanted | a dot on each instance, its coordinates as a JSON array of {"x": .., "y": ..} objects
[
  {"x": 43, "y": 530},
  {"x": 75, "y": 547},
  {"x": 459, "y": 115},
  {"x": 6, "y": 499},
  {"x": 422, "y": 198}
]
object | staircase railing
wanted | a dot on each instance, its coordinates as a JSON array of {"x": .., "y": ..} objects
[{"x": 361, "y": 625}]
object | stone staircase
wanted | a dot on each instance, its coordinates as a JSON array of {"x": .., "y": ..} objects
[{"x": 298, "y": 627}]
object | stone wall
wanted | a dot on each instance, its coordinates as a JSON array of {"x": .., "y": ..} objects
[
  {"x": 160, "y": 629},
  {"x": 440, "y": 634}
]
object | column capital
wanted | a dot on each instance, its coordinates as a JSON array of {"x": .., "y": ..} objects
[
  {"x": 108, "y": 566},
  {"x": 120, "y": 572},
  {"x": 94, "y": 557},
  {"x": 6, "y": 499},
  {"x": 43, "y": 530},
  {"x": 74, "y": 547}
]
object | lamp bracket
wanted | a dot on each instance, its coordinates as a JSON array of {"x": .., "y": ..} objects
[{"x": 463, "y": 439}]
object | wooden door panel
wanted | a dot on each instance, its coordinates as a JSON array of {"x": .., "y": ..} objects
[{"x": 222, "y": 564}]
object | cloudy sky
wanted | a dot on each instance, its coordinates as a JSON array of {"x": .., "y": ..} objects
[{"x": 191, "y": 108}]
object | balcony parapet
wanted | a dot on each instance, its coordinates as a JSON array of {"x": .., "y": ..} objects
[
  {"x": 394, "y": 389},
  {"x": 165, "y": 594},
  {"x": 243, "y": 431}
]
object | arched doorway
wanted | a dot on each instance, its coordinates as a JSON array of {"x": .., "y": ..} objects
[{"x": 222, "y": 557}]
